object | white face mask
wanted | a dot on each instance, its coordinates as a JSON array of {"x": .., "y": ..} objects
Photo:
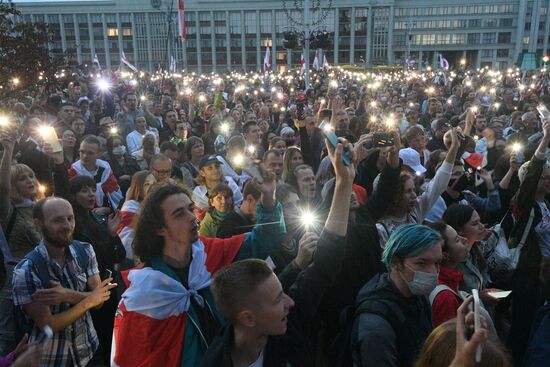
[
  {"x": 422, "y": 284},
  {"x": 120, "y": 150}
]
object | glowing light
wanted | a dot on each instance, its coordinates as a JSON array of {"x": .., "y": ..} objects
[
  {"x": 496, "y": 105},
  {"x": 517, "y": 147},
  {"x": 113, "y": 130},
  {"x": 238, "y": 160},
  {"x": 202, "y": 98},
  {"x": 133, "y": 82},
  {"x": 103, "y": 85},
  {"x": 42, "y": 188},
  {"x": 327, "y": 127},
  {"x": 143, "y": 98},
  {"x": 307, "y": 218},
  {"x": 333, "y": 84},
  {"x": 462, "y": 61},
  {"x": 15, "y": 81},
  {"x": 251, "y": 149},
  {"x": 474, "y": 109},
  {"x": 224, "y": 127},
  {"x": 449, "y": 101},
  {"x": 4, "y": 121}
]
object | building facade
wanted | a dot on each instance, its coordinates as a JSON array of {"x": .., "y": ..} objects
[{"x": 224, "y": 35}]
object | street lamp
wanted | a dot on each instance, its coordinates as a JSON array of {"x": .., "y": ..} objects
[{"x": 307, "y": 24}]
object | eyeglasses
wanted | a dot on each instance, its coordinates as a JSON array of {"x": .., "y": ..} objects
[{"x": 167, "y": 172}]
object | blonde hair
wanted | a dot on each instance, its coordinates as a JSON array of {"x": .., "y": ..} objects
[
  {"x": 135, "y": 192},
  {"x": 16, "y": 171}
]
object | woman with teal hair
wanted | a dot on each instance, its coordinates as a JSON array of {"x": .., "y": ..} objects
[{"x": 393, "y": 314}]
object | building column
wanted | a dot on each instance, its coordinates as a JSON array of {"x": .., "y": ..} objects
[
  {"x": 419, "y": 61},
  {"x": 535, "y": 20},
  {"x": 149, "y": 46},
  {"x": 213, "y": 41},
  {"x": 198, "y": 34},
  {"x": 119, "y": 36},
  {"x": 478, "y": 59},
  {"x": 273, "y": 42},
  {"x": 243, "y": 37},
  {"x": 106, "y": 43},
  {"x": 228, "y": 40},
  {"x": 134, "y": 41},
  {"x": 91, "y": 36},
  {"x": 77, "y": 40},
  {"x": 352, "y": 38},
  {"x": 546, "y": 29},
  {"x": 336, "y": 35},
  {"x": 259, "y": 62},
  {"x": 520, "y": 30},
  {"x": 369, "y": 37},
  {"x": 390, "y": 35},
  {"x": 62, "y": 33}
]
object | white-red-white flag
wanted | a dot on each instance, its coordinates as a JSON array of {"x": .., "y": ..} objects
[
  {"x": 181, "y": 19},
  {"x": 303, "y": 63},
  {"x": 267, "y": 60},
  {"x": 316, "y": 60},
  {"x": 173, "y": 65},
  {"x": 325, "y": 62},
  {"x": 443, "y": 62},
  {"x": 96, "y": 63},
  {"x": 125, "y": 61}
]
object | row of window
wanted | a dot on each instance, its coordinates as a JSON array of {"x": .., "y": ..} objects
[
  {"x": 455, "y": 23},
  {"x": 457, "y": 10},
  {"x": 453, "y": 39}
]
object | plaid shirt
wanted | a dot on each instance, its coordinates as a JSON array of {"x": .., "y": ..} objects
[{"x": 76, "y": 344}]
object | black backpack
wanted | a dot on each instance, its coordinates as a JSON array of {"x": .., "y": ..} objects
[
  {"x": 23, "y": 324},
  {"x": 341, "y": 347}
]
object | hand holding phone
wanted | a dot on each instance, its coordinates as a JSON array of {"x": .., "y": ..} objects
[
  {"x": 477, "y": 320},
  {"x": 543, "y": 112},
  {"x": 382, "y": 139},
  {"x": 333, "y": 140}
]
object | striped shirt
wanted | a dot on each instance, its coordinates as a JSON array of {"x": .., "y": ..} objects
[{"x": 76, "y": 344}]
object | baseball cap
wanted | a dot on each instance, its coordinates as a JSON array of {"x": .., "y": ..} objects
[
  {"x": 411, "y": 158},
  {"x": 208, "y": 160}
]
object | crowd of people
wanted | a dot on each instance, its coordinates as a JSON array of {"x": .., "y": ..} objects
[{"x": 249, "y": 220}]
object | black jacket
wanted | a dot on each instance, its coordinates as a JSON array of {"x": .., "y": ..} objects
[
  {"x": 393, "y": 331},
  {"x": 293, "y": 348},
  {"x": 363, "y": 254},
  {"x": 40, "y": 163}
]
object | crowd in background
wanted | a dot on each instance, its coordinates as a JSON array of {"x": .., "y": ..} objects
[{"x": 132, "y": 207}]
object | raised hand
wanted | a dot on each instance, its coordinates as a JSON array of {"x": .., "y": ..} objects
[
  {"x": 56, "y": 156},
  {"x": 466, "y": 349},
  {"x": 343, "y": 173},
  {"x": 306, "y": 249}
]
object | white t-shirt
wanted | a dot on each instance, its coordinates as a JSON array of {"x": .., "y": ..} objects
[
  {"x": 543, "y": 229},
  {"x": 260, "y": 361}
]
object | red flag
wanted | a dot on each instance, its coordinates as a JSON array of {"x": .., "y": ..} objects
[{"x": 181, "y": 19}]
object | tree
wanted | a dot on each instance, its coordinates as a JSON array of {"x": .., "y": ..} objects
[{"x": 26, "y": 65}]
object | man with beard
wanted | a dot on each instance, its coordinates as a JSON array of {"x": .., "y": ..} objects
[{"x": 57, "y": 284}]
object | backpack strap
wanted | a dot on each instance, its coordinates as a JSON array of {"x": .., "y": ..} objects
[
  {"x": 440, "y": 288},
  {"x": 81, "y": 255},
  {"x": 388, "y": 311},
  {"x": 41, "y": 266}
]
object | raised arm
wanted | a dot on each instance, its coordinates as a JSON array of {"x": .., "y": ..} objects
[{"x": 8, "y": 142}]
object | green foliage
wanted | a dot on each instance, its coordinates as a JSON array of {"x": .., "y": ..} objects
[{"x": 26, "y": 65}]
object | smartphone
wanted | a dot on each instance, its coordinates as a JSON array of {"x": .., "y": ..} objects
[
  {"x": 543, "y": 112},
  {"x": 500, "y": 294},
  {"x": 520, "y": 158},
  {"x": 50, "y": 136},
  {"x": 477, "y": 320},
  {"x": 383, "y": 140},
  {"x": 333, "y": 140},
  {"x": 109, "y": 273},
  {"x": 253, "y": 170}
]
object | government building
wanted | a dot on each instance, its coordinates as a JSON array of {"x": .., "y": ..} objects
[{"x": 234, "y": 35}]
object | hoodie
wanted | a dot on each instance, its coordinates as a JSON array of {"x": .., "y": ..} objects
[{"x": 392, "y": 329}]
